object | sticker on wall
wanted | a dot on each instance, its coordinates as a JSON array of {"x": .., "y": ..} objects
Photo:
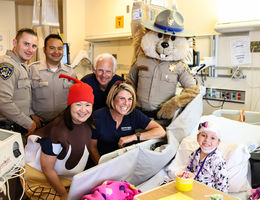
[
  {"x": 5, "y": 42},
  {"x": 137, "y": 14},
  {"x": 119, "y": 21}
]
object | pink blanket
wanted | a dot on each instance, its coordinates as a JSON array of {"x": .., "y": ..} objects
[{"x": 113, "y": 190}]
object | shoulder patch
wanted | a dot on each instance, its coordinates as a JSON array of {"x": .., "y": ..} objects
[
  {"x": 6, "y": 70},
  {"x": 187, "y": 68}
]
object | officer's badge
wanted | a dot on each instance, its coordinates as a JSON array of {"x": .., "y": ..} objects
[
  {"x": 172, "y": 67},
  {"x": 6, "y": 70}
]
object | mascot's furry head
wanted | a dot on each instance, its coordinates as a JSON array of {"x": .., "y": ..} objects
[
  {"x": 165, "y": 39},
  {"x": 164, "y": 47}
]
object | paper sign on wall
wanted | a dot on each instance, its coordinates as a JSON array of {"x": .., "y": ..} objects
[
  {"x": 119, "y": 21},
  {"x": 4, "y": 41},
  {"x": 240, "y": 51}
]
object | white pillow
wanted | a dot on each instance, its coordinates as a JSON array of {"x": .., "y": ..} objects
[
  {"x": 188, "y": 119},
  {"x": 151, "y": 162},
  {"x": 236, "y": 156},
  {"x": 233, "y": 131}
]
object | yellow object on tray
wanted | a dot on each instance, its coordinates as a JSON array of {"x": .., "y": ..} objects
[
  {"x": 184, "y": 183},
  {"x": 177, "y": 196}
]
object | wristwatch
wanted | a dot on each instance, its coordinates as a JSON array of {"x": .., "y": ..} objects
[{"x": 138, "y": 134}]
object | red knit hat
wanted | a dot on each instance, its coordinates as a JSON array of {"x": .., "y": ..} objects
[{"x": 79, "y": 91}]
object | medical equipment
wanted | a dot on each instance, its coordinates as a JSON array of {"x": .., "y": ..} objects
[
  {"x": 12, "y": 151},
  {"x": 255, "y": 168},
  {"x": 204, "y": 63}
]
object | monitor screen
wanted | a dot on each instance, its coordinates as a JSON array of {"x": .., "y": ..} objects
[
  {"x": 66, "y": 59},
  {"x": 194, "y": 58},
  {"x": 4, "y": 135}
]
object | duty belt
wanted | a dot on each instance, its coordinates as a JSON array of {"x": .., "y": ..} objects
[{"x": 12, "y": 126}]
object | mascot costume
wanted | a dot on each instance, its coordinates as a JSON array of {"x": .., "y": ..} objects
[{"x": 160, "y": 50}]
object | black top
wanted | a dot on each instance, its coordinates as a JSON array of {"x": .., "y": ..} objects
[{"x": 100, "y": 96}]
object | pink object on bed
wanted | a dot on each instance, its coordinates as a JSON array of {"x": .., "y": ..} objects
[{"x": 113, "y": 190}]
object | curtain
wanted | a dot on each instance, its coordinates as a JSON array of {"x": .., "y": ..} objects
[{"x": 45, "y": 21}]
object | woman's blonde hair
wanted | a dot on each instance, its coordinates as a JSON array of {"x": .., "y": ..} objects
[{"x": 115, "y": 89}]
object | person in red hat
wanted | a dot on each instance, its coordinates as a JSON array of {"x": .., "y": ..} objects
[{"x": 64, "y": 149}]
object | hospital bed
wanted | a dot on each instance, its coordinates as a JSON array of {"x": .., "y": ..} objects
[
  {"x": 148, "y": 168},
  {"x": 238, "y": 138},
  {"x": 138, "y": 163}
]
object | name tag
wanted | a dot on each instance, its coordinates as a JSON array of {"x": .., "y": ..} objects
[{"x": 127, "y": 128}]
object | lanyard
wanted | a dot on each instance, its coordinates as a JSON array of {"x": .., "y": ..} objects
[{"x": 191, "y": 165}]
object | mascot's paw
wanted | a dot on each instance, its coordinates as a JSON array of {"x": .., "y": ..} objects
[
  {"x": 168, "y": 109},
  {"x": 193, "y": 90}
]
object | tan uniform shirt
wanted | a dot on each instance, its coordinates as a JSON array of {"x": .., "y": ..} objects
[
  {"x": 15, "y": 91},
  {"x": 49, "y": 92},
  {"x": 156, "y": 81}
]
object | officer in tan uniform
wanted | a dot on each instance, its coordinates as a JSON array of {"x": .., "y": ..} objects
[
  {"x": 15, "y": 85},
  {"x": 49, "y": 92}
]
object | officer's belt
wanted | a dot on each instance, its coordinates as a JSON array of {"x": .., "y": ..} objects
[
  {"x": 151, "y": 114},
  {"x": 12, "y": 126}
]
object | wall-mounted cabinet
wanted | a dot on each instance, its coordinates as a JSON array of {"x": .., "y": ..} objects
[{"x": 101, "y": 23}]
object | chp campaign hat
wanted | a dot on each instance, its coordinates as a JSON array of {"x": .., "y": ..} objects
[
  {"x": 169, "y": 22},
  {"x": 79, "y": 91}
]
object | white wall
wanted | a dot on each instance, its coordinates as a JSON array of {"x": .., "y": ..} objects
[
  {"x": 101, "y": 14},
  {"x": 200, "y": 16},
  {"x": 24, "y": 16},
  {"x": 7, "y": 25},
  {"x": 74, "y": 23},
  {"x": 123, "y": 50}
]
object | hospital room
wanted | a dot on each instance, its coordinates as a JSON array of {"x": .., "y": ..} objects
[{"x": 129, "y": 100}]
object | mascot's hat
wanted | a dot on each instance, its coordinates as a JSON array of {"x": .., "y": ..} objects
[
  {"x": 79, "y": 91},
  {"x": 169, "y": 22}
]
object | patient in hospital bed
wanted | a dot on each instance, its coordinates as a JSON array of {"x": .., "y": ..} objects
[{"x": 206, "y": 162}]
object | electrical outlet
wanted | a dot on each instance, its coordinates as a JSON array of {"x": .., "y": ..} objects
[
  {"x": 255, "y": 46},
  {"x": 217, "y": 94}
]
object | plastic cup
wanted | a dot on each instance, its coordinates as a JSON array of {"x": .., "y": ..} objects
[{"x": 183, "y": 183}]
